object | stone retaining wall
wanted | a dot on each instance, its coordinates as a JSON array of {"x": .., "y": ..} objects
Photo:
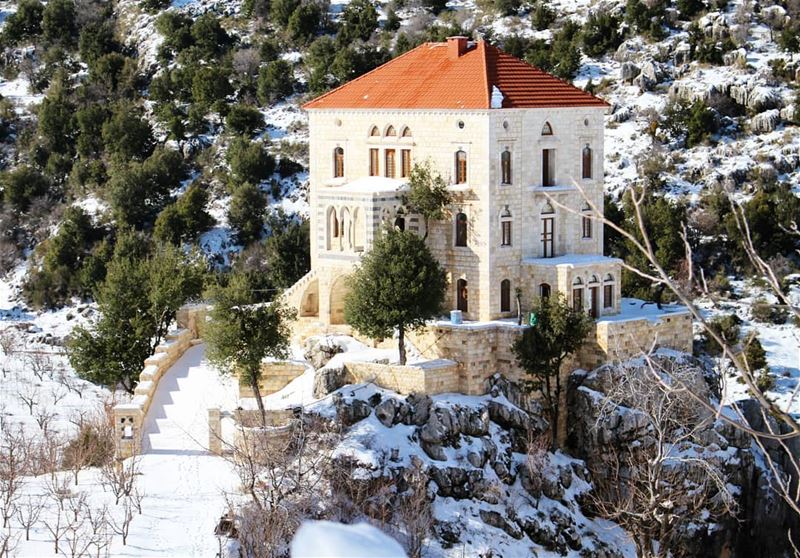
[
  {"x": 274, "y": 377},
  {"x": 432, "y": 377},
  {"x": 129, "y": 417}
]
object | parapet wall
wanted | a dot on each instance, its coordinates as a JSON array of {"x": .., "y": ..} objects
[
  {"x": 129, "y": 417},
  {"x": 432, "y": 377}
]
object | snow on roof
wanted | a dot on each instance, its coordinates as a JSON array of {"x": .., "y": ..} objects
[
  {"x": 575, "y": 260},
  {"x": 635, "y": 309},
  {"x": 432, "y": 77},
  {"x": 370, "y": 185},
  {"x": 327, "y": 539}
]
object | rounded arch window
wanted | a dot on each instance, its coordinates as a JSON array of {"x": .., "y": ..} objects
[
  {"x": 338, "y": 162},
  {"x": 374, "y": 132},
  {"x": 577, "y": 281},
  {"x": 544, "y": 290},
  {"x": 505, "y": 295},
  {"x": 609, "y": 278},
  {"x": 547, "y": 129},
  {"x": 406, "y": 132},
  {"x": 594, "y": 279},
  {"x": 390, "y": 131},
  {"x": 461, "y": 229}
]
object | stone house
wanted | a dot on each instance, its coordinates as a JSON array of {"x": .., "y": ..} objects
[{"x": 522, "y": 152}]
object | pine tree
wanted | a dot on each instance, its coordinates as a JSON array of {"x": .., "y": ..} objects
[
  {"x": 754, "y": 354},
  {"x": 398, "y": 285},
  {"x": 542, "y": 349},
  {"x": 241, "y": 333},
  {"x": 246, "y": 212}
]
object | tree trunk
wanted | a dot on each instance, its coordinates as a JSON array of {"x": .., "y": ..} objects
[
  {"x": 401, "y": 344},
  {"x": 257, "y": 394}
]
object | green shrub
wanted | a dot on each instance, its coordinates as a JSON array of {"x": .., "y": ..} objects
[
  {"x": 96, "y": 39},
  {"x": 22, "y": 185},
  {"x": 542, "y": 15},
  {"x": 209, "y": 36},
  {"x": 249, "y": 161},
  {"x": 58, "y": 22},
  {"x": 186, "y": 219},
  {"x": 601, "y": 33},
  {"x": 127, "y": 134},
  {"x": 243, "y": 120},
  {"x": 727, "y": 327},
  {"x": 25, "y": 23},
  {"x": 765, "y": 381},
  {"x": 246, "y": 212},
  {"x": 754, "y": 353},
  {"x": 304, "y": 23},
  {"x": 358, "y": 21},
  {"x": 211, "y": 84},
  {"x": 275, "y": 81}
]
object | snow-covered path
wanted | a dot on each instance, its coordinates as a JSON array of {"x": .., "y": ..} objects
[{"x": 184, "y": 485}]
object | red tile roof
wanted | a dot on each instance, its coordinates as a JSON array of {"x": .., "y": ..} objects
[{"x": 431, "y": 77}]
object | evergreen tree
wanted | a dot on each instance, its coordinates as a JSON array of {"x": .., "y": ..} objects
[
  {"x": 359, "y": 20},
  {"x": 137, "y": 303},
  {"x": 601, "y": 33},
  {"x": 56, "y": 124},
  {"x": 428, "y": 194},
  {"x": 127, "y": 134},
  {"x": 542, "y": 349},
  {"x": 22, "y": 185},
  {"x": 398, "y": 285},
  {"x": 304, "y": 23},
  {"x": 209, "y": 36},
  {"x": 58, "y": 22},
  {"x": 246, "y": 212},
  {"x": 241, "y": 333},
  {"x": 243, "y": 120},
  {"x": 275, "y": 82},
  {"x": 25, "y": 23},
  {"x": 282, "y": 10},
  {"x": 249, "y": 161},
  {"x": 754, "y": 354},
  {"x": 211, "y": 84},
  {"x": 286, "y": 250},
  {"x": 96, "y": 39}
]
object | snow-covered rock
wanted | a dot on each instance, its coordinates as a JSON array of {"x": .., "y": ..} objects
[{"x": 327, "y": 539}]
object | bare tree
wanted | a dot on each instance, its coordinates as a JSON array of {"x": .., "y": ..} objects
[
  {"x": 119, "y": 477},
  {"x": 56, "y": 524},
  {"x": 656, "y": 487},
  {"x": 8, "y": 342},
  {"x": 122, "y": 525},
  {"x": 28, "y": 513},
  {"x": 14, "y": 459},
  {"x": 28, "y": 394},
  {"x": 414, "y": 510},
  {"x": 58, "y": 393},
  {"x": 8, "y": 543},
  {"x": 40, "y": 364},
  {"x": 44, "y": 416},
  {"x": 97, "y": 521}
]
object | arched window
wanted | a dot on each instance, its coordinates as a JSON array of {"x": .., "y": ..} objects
[
  {"x": 505, "y": 295},
  {"x": 594, "y": 296},
  {"x": 608, "y": 291},
  {"x": 390, "y": 131},
  {"x": 586, "y": 162},
  {"x": 333, "y": 229},
  {"x": 461, "y": 167},
  {"x": 338, "y": 162},
  {"x": 548, "y": 231},
  {"x": 505, "y": 228},
  {"x": 544, "y": 290},
  {"x": 577, "y": 294},
  {"x": 374, "y": 132},
  {"x": 400, "y": 220},
  {"x": 461, "y": 229},
  {"x": 505, "y": 166},
  {"x": 461, "y": 295},
  {"x": 346, "y": 229},
  {"x": 547, "y": 129},
  {"x": 406, "y": 132}
]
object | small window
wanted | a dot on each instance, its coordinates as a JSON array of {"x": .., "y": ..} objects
[
  {"x": 608, "y": 296},
  {"x": 547, "y": 129},
  {"x": 544, "y": 290},
  {"x": 577, "y": 299},
  {"x": 374, "y": 132},
  {"x": 406, "y": 132},
  {"x": 461, "y": 229},
  {"x": 338, "y": 162},
  {"x": 461, "y": 167},
  {"x": 505, "y": 166},
  {"x": 388, "y": 162},
  {"x": 505, "y": 295},
  {"x": 405, "y": 162},
  {"x": 390, "y": 131},
  {"x": 373, "y": 162},
  {"x": 586, "y": 162},
  {"x": 548, "y": 167},
  {"x": 461, "y": 295},
  {"x": 587, "y": 226},
  {"x": 505, "y": 227},
  {"x": 400, "y": 222}
]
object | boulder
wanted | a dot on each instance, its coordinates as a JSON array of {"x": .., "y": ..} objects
[
  {"x": 498, "y": 521},
  {"x": 420, "y": 409},
  {"x": 385, "y": 411},
  {"x": 628, "y": 72},
  {"x": 320, "y": 350},
  {"x": 351, "y": 412},
  {"x": 766, "y": 121},
  {"x": 327, "y": 380},
  {"x": 440, "y": 428}
]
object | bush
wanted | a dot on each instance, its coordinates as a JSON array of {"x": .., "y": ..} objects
[
  {"x": 727, "y": 327},
  {"x": 707, "y": 49},
  {"x": 25, "y": 23},
  {"x": 246, "y": 212},
  {"x": 93, "y": 446},
  {"x": 754, "y": 354},
  {"x": 542, "y": 15},
  {"x": 22, "y": 185},
  {"x": 154, "y": 6},
  {"x": 249, "y": 161},
  {"x": 186, "y": 219},
  {"x": 304, "y": 23},
  {"x": 96, "y": 39},
  {"x": 687, "y": 9},
  {"x": 211, "y": 84},
  {"x": 127, "y": 134},
  {"x": 209, "y": 36},
  {"x": 282, "y": 10},
  {"x": 765, "y": 381},
  {"x": 695, "y": 120},
  {"x": 243, "y": 120},
  {"x": 601, "y": 33},
  {"x": 287, "y": 250},
  {"x": 58, "y": 22},
  {"x": 275, "y": 81}
]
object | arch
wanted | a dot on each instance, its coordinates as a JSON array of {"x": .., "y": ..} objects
[
  {"x": 547, "y": 129},
  {"x": 608, "y": 292},
  {"x": 346, "y": 228},
  {"x": 338, "y": 162},
  {"x": 374, "y": 131},
  {"x": 359, "y": 230},
  {"x": 390, "y": 131},
  {"x": 586, "y": 162},
  {"x": 609, "y": 278},
  {"x": 461, "y": 228},
  {"x": 547, "y": 209},
  {"x": 544, "y": 290},
  {"x": 594, "y": 279},
  {"x": 406, "y": 133},
  {"x": 332, "y": 232},
  {"x": 462, "y": 296},
  {"x": 577, "y": 281},
  {"x": 309, "y": 303},
  {"x": 505, "y": 227},
  {"x": 505, "y": 166},
  {"x": 461, "y": 166},
  {"x": 338, "y": 293},
  {"x": 505, "y": 295}
]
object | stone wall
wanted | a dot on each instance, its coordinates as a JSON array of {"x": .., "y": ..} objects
[
  {"x": 129, "y": 417},
  {"x": 432, "y": 377},
  {"x": 274, "y": 377}
]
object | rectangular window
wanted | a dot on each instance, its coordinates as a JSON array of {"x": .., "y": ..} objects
[
  {"x": 608, "y": 296},
  {"x": 548, "y": 167},
  {"x": 461, "y": 167},
  {"x": 586, "y": 162},
  {"x": 505, "y": 166},
  {"x": 587, "y": 227},
  {"x": 506, "y": 233},
  {"x": 389, "y": 163},
  {"x": 577, "y": 299},
  {"x": 405, "y": 163},
  {"x": 594, "y": 308},
  {"x": 547, "y": 237},
  {"x": 373, "y": 162}
]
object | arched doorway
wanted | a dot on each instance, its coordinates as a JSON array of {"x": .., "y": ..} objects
[
  {"x": 337, "y": 295},
  {"x": 309, "y": 304},
  {"x": 461, "y": 295}
]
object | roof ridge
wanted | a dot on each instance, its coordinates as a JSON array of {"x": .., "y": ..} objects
[
  {"x": 362, "y": 76},
  {"x": 484, "y": 55}
]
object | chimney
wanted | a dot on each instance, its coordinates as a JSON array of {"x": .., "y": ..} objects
[{"x": 456, "y": 46}]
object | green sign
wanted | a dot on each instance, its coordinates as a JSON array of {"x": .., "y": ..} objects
[{"x": 533, "y": 319}]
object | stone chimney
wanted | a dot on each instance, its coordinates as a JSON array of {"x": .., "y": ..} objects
[{"x": 456, "y": 46}]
